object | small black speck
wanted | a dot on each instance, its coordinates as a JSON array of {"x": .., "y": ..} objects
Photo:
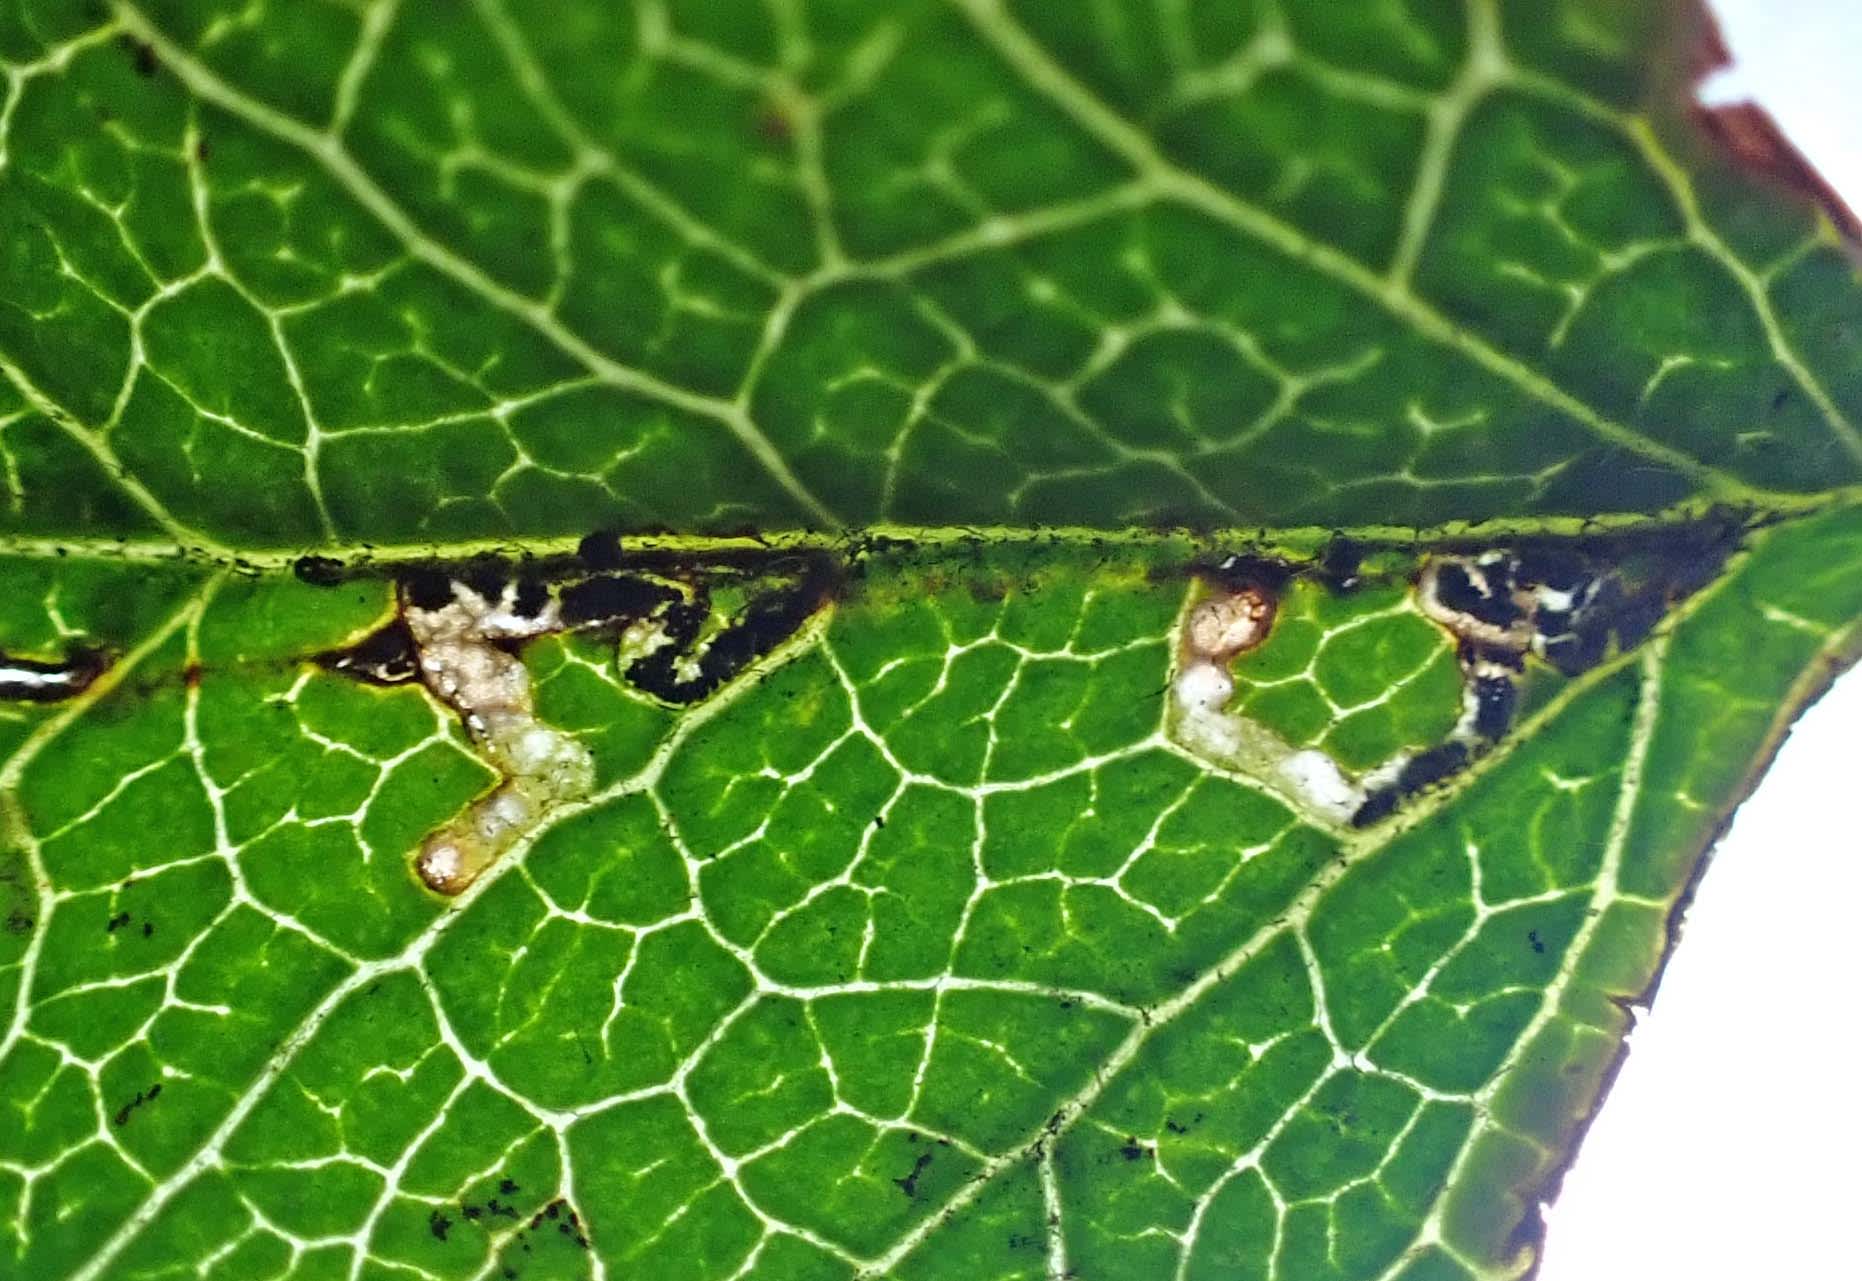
[
  {"x": 147, "y": 929},
  {"x": 116, "y": 923},
  {"x": 147, "y": 64},
  {"x": 439, "y": 1225},
  {"x": 508, "y": 1187},
  {"x": 1538, "y": 944},
  {"x": 1134, "y": 1150}
]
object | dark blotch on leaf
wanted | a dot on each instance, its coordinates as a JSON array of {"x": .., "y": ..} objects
[
  {"x": 909, "y": 1184},
  {"x": 1495, "y": 605},
  {"x": 531, "y": 596},
  {"x": 439, "y": 1225},
  {"x": 1339, "y": 563},
  {"x": 1456, "y": 588},
  {"x": 612, "y": 598},
  {"x": 486, "y": 576},
  {"x": 143, "y": 56},
  {"x": 121, "y": 1118},
  {"x": 1576, "y": 652},
  {"x": 1495, "y": 700},
  {"x": 768, "y": 621},
  {"x": 427, "y": 588},
  {"x": 386, "y": 656},
  {"x": 1378, "y": 805},
  {"x": 318, "y": 571},
  {"x": 1637, "y": 618},
  {"x": 600, "y": 550},
  {"x": 1432, "y": 766},
  {"x": 27, "y": 680},
  {"x": 1558, "y": 568}
]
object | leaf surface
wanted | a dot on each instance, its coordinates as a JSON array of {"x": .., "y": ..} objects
[{"x": 1182, "y": 590}]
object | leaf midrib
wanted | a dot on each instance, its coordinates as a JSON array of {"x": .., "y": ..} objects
[{"x": 1288, "y": 542}]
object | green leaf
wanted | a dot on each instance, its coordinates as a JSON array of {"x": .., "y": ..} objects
[{"x": 967, "y": 639}]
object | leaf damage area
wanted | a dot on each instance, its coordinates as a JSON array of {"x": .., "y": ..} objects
[
  {"x": 682, "y": 629},
  {"x": 1515, "y": 617}
]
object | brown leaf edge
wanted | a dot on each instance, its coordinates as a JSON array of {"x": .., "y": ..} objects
[{"x": 1745, "y": 134}]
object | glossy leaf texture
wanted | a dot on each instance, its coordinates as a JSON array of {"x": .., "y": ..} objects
[{"x": 1182, "y": 590}]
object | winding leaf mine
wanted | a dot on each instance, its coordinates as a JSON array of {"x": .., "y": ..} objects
[{"x": 1182, "y": 590}]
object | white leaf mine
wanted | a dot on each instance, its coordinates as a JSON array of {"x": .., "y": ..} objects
[
  {"x": 1216, "y": 630},
  {"x": 462, "y": 662}
]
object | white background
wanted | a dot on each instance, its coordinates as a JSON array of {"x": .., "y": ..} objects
[{"x": 1731, "y": 1146}]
